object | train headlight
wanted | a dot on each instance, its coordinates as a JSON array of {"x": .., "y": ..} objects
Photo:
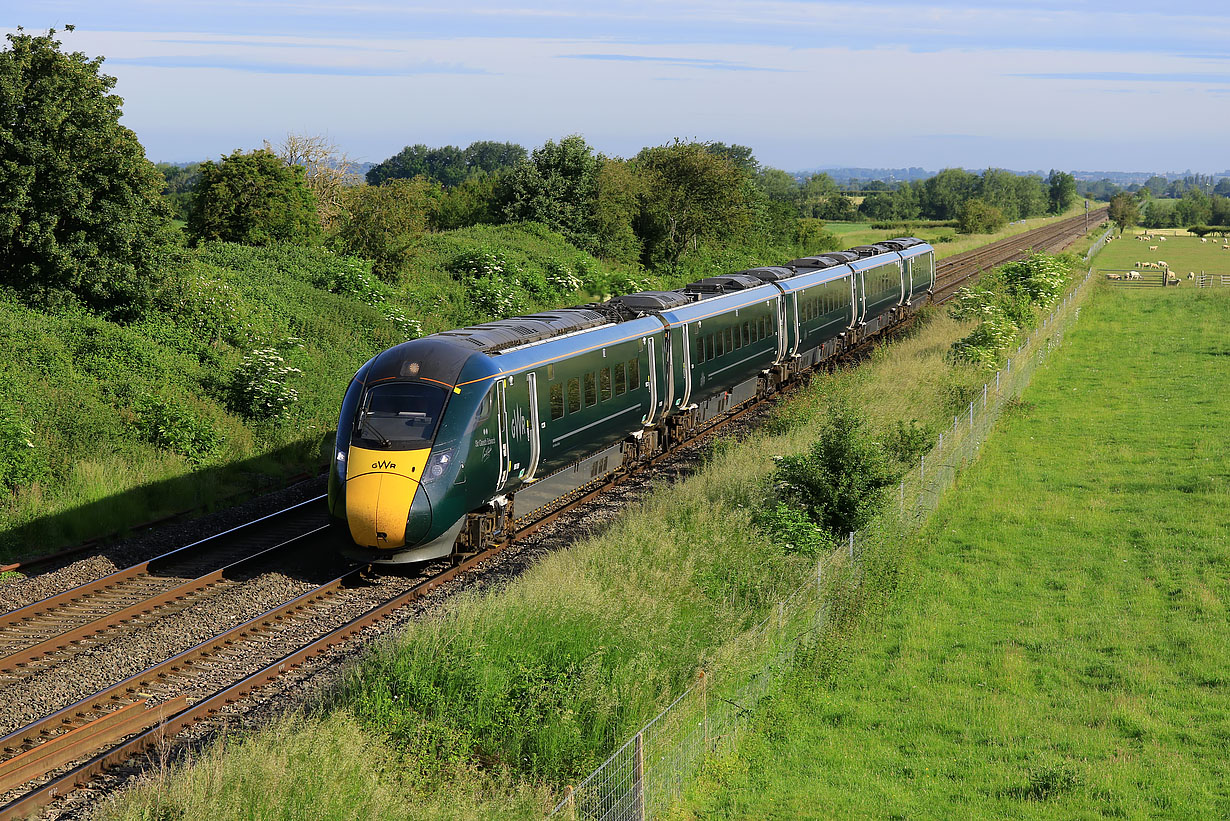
[
  {"x": 436, "y": 465},
  {"x": 341, "y": 465}
]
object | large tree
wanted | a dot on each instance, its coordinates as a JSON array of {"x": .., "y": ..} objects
[
  {"x": 254, "y": 199},
  {"x": 558, "y": 187},
  {"x": 690, "y": 194},
  {"x": 1061, "y": 188},
  {"x": 81, "y": 210},
  {"x": 1124, "y": 212}
]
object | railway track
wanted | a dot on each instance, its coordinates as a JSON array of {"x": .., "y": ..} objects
[
  {"x": 956, "y": 271},
  {"x": 52, "y": 755}
]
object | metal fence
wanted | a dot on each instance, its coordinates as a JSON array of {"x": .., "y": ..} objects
[
  {"x": 1204, "y": 280},
  {"x": 1097, "y": 246},
  {"x": 653, "y": 767}
]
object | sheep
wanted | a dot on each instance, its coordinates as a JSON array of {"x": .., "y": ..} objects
[
  {"x": 1114, "y": 276},
  {"x": 1161, "y": 239},
  {"x": 1152, "y": 247},
  {"x": 1204, "y": 239}
]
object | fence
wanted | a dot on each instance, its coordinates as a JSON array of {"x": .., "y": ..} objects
[
  {"x": 651, "y": 770},
  {"x": 1097, "y": 246},
  {"x": 1204, "y": 280}
]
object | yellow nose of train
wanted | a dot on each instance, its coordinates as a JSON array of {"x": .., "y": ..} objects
[{"x": 380, "y": 487}]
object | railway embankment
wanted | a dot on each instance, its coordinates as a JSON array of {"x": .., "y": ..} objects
[
  {"x": 510, "y": 693},
  {"x": 1055, "y": 646}
]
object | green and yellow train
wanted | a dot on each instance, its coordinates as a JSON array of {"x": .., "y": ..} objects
[{"x": 441, "y": 437}]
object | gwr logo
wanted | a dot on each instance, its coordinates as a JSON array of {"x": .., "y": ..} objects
[{"x": 383, "y": 466}]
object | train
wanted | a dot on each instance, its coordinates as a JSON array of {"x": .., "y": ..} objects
[{"x": 443, "y": 442}]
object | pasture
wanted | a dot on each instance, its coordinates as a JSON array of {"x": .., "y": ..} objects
[
  {"x": 1183, "y": 253},
  {"x": 1057, "y": 643}
]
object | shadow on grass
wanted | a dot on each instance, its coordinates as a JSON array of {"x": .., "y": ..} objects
[{"x": 202, "y": 491}]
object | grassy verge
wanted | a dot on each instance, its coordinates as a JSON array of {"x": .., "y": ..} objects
[
  {"x": 1055, "y": 645},
  {"x": 510, "y": 694}
]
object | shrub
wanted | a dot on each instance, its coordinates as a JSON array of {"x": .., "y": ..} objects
[
  {"x": 840, "y": 480},
  {"x": 258, "y": 388},
  {"x": 21, "y": 463},
  {"x": 170, "y": 427},
  {"x": 794, "y": 530},
  {"x": 905, "y": 443}
]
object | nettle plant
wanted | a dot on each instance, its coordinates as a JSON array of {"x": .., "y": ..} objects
[{"x": 259, "y": 388}]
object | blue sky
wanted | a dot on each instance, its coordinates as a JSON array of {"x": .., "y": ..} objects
[{"x": 1082, "y": 84}]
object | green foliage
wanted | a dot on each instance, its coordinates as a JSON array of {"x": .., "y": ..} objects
[
  {"x": 258, "y": 387},
  {"x": 906, "y": 442},
  {"x": 558, "y": 187},
  {"x": 793, "y": 529},
  {"x": 975, "y": 216},
  {"x": 1061, "y": 190},
  {"x": 253, "y": 199},
  {"x": 81, "y": 211},
  {"x": 1124, "y": 211},
  {"x": 170, "y": 426},
  {"x": 382, "y": 222},
  {"x": 690, "y": 195},
  {"x": 1005, "y": 302},
  {"x": 353, "y": 277},
  {"x": 21, "y": 461},
  {"x": 839, "y": 481},
  {"x": 479, "y": 200},
  {"x": 180, "y": 180},
  {"x": 448, "y": 166}
]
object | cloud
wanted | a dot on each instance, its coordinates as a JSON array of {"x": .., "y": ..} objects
[
  {"x": 1132, "y": 77},
  {"x": 274, "y": 67},
  {"x": 687, "y": 62}
]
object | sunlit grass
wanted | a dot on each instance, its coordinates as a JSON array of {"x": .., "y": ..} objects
[{"x": 1058, "y": 643}]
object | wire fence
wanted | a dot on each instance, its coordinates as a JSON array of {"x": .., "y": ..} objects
[
  {"x": 654, "y": 767},
  {"x": 1097, "y": 246}
]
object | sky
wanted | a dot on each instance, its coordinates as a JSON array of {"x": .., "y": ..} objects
[{"x": 1023, "y": 84}]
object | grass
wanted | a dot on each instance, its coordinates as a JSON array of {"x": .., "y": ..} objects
[
  {"x": 1056, "y": 645},
  {"x": 512, "y": 693},
  {"x": 1182, "y": 252}
]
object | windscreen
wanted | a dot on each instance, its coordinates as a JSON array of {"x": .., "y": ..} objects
[{"x": 399, "y": 416}]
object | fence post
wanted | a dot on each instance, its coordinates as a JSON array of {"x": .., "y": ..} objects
[
  {"x": 971, "y": 415},
  {"x": 984, "y": 395},
  {"x": 922, "y": 467},
  {"x": 570, "y": 803},
  {"x": 902, "y": 497},
  {"x": 704, "y": 704},
  {"x": 638, "y": 779},
  {"x": 940, "y": 446},
  {"x": 997, "y": 381},
  {"x": 851, "y": 545}
]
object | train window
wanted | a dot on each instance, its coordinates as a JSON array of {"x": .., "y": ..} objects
[
  {"x": 557, "y": 402},
  {"x": 484, "y": 407},
  {"x": 754, "y": 327},
  {"x": 738, "y": 338},
  {"x": 634, "y": 374},
  {"x": 591, "y": 390},
  {"x": 747, "y": 333},
  {"x": 709, "y": 352},
  {"x": 550, "y": 371},
  {"x": 764, "y": 327},
  {"x": 574, "y": 395},
  {"x": 730, "y": 340},
  {"x": 620, "y": 384},
  {"x": 396, "y": 414},
  {"x": 699, "y": 356},
  {"x": 604, "y": 383}
]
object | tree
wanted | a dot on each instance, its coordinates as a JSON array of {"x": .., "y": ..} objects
[
  {"x": 81, "y": 209},
  {"x": 690, "y": 194},
  {"x": 327, "y": 167},
  {"x": 946, "y": 191},
  {"x": 479, "y": 200},
  {"x": 254, "y": 199},
  {"x": 998, "y": 189},
  {"x": 815, "y": 190},
  {"x": 739, "y": 155},
  {"x": 977, "y": 217},
  {"x": 490, "y": 156},
  {"x": 558, "y": 187},
  {"x": 381, "y": 222},
  {"x": 1124, "y": 212},
  {"x": 615, "y": 211},
  {"x": 1061, "y": 189},
  {"x": 778, "y": 185}
]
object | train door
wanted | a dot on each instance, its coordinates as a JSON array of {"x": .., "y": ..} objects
[
  {"x": 501, "y": 409},
  {"x": 686, "y": 339},
  {"x": 651, "y": 353},
  {"x": 535, "y": 427}
]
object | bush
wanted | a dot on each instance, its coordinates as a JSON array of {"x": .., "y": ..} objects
[
  {"x": 21, "y": 463},
  {"x": 840, "y": 480},
  {"x": 905, "y": 443},
  {"x": 794, "y": 530},
  {"x": 170, "y": 427},
  {"x": 258, "y": 388}
]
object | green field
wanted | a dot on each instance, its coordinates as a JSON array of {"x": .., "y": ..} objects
[
  {"x": 1057, "y": 645},
  {"x": 1183, "y": 253}
]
